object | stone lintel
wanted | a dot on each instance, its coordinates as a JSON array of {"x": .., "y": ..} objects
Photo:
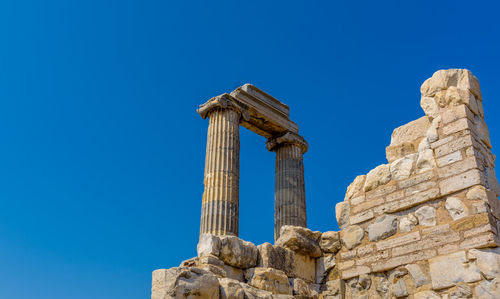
[
  {"x": 287, "y": 138},
  {"x": 268, "y": 116}
]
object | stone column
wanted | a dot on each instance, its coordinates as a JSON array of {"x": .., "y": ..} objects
[
  {"x": 289, "y": 195},
  {"x": 220, "y": 204}
]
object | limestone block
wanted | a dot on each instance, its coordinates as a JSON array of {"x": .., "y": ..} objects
[
  {"x": 269, "y": 279},
  {"x": 424, "y": 144},
  {"x": 330, "y": 242},
  {"x": 479, "y": 207},
  {"x": 333, "y": 288},
  {"x": 451, "y": 145},
  {"x": 234, "y": 273},
  {"x": 426, "y": 215},
  {"x": 356, "y": 187},
  {"x": 458, "y": 167},
  {"x": 477, "y": 193},
  {"x": 461, "y": 291},
  {"x": 470, "y": 82},
  {"x": 184, "y": 283},
  {"x": 303, "y": 267},
  {"x": 255, "y": 293},
  {"x": 208, "y": 245},
  {"x": 488, "y": 289},
  {"x": 402, "y": 168},
  {"x": 457, "y": 126},
  {"x": 428, "y": 104},
  {"x": 342, "y": 211},
  {"x": 456, "y": 208},
  {"x": 448, "y": 270},
  {"x": 398, "y": 289},
  {"x": 394, "y": 152},
  {"x": 210, "y": 260},
  {"x": 238, "y": 253},
  {"x": 487, "y": 260},
  {"x": 380, "y": 175},
  {"x": 407, "y": 223},
  {"x": 425, "y": 160},
  {"x": 482, "y": 131},
  {"x": 427, "y": 295},
  {"x": 323, "y": 265},
  {"x": 231, "y": 289},
  {"x": 352, "y": 236},
  {"x": 418, "y": 275},
  {"x": 293, "y": 264},
  {"x": 493, "y": 182},
  {"x": 411, "y": 131},
  {"x": 300, "y": 240},
  {"x": 461, "y": 181},
  {"x": 300, "y": 288},
  {"x": 383, "y": 227},
  {"x": 432, "y": 132},
  {"x": 440, "y": 80},
  {"x": 448, "y": 159}
]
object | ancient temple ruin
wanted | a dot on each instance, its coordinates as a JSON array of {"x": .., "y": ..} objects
[
  {"x": 424, "y": 225},
  {"x": 260, "y": 113}
]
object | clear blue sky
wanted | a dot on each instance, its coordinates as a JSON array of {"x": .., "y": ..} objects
[{"x": 102, "y": 151}]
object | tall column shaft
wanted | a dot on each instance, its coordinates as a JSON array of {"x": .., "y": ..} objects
[
  {"x": 220, "y": 205},
  {"x": 290, "y": 195}
]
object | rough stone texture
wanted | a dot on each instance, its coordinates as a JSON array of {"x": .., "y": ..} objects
[
  {"x": 487, "y": 260},
  {"x": 410, "y": 132},
  {"x": 330, "y": 242},
  {"x": 355, "y": 187},
  {"x": 380, "y": 175},
  {"x": 418, "y": 275},
  {"x": 427, "y": 295},
  {"x": 301, "y": 288},
  {"x": 407, "y": 223},
  {"x": 323, "y": 266},
  {"x": 342, "y": 212},
  {"x": 269, "y": 279},
  {"x": 402, "y": 168},
  {"x": 383, "y": 227},
  {"x": 208, "y": 245},
  {"x": 254, "y": 293},
  {"x": 231, "y": 289},
  {"x": 238, "y": 253},
  {"x": 426, "y": 215},
  {"x": 456, "y": 208},
  {"x": 352, "y": 236},
  {"x": 488, "y": 289},
  {"x": 448, "y": 270},
  {"x": 300, "y": 240},
  {"x": 425, "y": 160},
  {"x": 184, "y": 283}
]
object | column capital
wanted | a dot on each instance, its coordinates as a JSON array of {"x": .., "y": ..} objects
[
  {"x": 287, "y": 138},
  {"x": 223, "y": 101}
]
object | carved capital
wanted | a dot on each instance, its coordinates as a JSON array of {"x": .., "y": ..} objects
[
  {"x": 225, "y": 101},
  {"x": 287, "y": 138}
]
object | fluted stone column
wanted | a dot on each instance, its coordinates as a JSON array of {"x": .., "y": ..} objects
[
  {"x": 289, "y": 195},
  {"x": 220, "y": 205}
]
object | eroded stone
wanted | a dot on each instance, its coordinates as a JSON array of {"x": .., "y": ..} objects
[
  {"x": 383, "y": 227},
  {"x": 352, "y": 236},
  {"x": 426, "y": 215}
]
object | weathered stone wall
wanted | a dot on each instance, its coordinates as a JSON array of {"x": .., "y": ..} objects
[{"x": 425, "y": 225}]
